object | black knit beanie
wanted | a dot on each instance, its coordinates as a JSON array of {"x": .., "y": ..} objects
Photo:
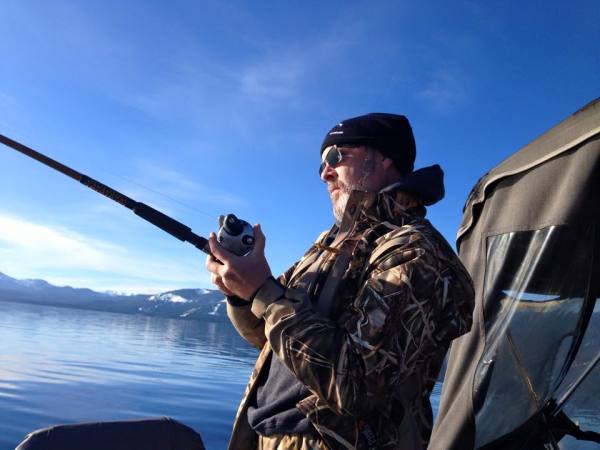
[{"x": 391, "y": 134}]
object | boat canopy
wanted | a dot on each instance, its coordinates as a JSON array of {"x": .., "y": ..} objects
[{"x": 527, "y": 374}]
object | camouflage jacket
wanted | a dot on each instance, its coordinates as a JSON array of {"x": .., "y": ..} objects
[{"x": 364, "y": 320}]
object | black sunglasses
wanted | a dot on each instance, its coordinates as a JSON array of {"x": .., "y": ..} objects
[{"x": 333, "y": 156}]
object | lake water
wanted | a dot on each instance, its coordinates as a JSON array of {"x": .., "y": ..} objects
[{"x": 60, "y": 365}]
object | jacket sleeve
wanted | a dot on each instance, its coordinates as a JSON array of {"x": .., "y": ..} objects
[
  {"x": 407, "y": 309},
  {"x": 247, "y": 324},
  {"x": 250, "y": 327}
]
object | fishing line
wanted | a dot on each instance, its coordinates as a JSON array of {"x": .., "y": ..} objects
[
  {"x": 155, "y": 217},
  {"x": 234, "y": 234},
  {"x": 155, "y": 191}
]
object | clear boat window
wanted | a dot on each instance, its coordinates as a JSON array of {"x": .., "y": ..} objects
[
  {"x": 534, "y": 290},
  {"x": 582, "y": 406}
]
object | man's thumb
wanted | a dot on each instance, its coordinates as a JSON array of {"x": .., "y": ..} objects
[{"x": 259, "y": 238}]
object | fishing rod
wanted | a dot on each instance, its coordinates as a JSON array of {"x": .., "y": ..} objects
[{"x": 234, "y": 234}]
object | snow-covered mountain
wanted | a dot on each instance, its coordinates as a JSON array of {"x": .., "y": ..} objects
[{"x": 183, "y": 303}]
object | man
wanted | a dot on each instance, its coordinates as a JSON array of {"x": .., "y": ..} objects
[{"x": 354, "y": 334}]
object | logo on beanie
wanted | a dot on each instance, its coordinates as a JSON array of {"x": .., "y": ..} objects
[{"x": 341, "y": 124}]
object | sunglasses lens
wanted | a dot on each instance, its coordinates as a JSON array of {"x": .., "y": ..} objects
[{"x": 332, "y": 158}]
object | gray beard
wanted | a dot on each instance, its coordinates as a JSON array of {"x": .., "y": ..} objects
[
  {"x": 360, "y": 185},
  {"x": 340, "y": 206}
]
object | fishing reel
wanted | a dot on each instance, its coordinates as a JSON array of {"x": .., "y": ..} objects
[{"x": 235, "y": 235}]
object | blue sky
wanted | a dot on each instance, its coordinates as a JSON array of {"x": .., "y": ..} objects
[{"x": 200, "y": 108}]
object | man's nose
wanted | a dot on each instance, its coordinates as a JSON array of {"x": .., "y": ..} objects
[{"x": 328, "y": 173}]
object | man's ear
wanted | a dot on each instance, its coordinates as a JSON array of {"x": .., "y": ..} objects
[
  {"x": 387, "y": 162},
  {"x": 392, "y": 173}
]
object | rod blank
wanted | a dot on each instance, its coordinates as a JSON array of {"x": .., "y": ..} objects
[{"x": 155, "y": 217}]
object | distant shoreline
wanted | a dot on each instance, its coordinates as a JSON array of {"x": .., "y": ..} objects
[{"x": 188, "y": 304}]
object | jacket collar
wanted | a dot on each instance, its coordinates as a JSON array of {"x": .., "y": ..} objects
[
  {"x": 391, "y": 203},
  {"x": 388, "y": 205}
]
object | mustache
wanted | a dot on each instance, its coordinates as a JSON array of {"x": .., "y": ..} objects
[{"x": 342, "y": 187}]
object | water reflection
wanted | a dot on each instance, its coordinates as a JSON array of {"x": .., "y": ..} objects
[
  {"x": 60, "y": 365},
  {"x": 63, "y": 365}
]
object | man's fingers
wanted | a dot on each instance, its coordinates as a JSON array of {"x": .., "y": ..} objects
[
  {"x": 220, "y": 253},
  {"x": 213, "y": 266},
  {"x": 218, "y": 281},
  {"x": 259, "y": 239}
]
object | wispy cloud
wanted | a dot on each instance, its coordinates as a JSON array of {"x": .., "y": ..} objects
[
  {"x": 176, "y": 186},
  {"x": 30, "y": 249},
  {"x": 181, "y": 75},
  {"x": 271, "y": 80},
  {"x": 444, "y": 91},
  {"x": 204, "y": 90}
]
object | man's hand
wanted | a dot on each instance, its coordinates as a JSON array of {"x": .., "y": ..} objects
[{"x": 238, "y": 275}]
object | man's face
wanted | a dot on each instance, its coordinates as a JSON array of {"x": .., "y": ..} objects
[{"x": 359, "y": 169}]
